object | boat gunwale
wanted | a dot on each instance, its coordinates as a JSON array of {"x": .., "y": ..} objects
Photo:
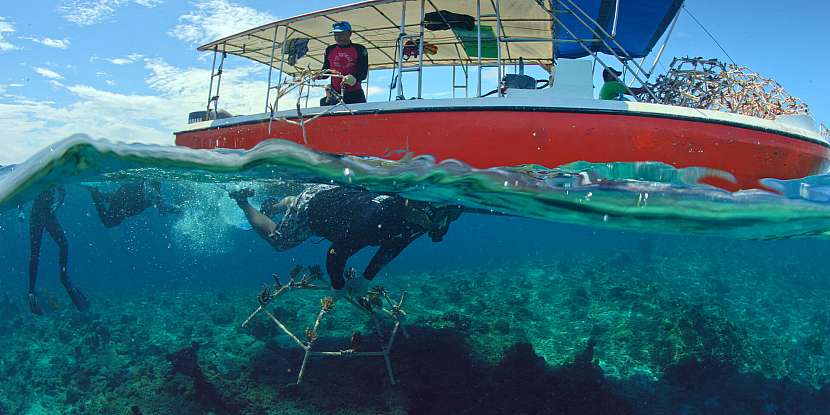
[{"x": 264, "y": 117}]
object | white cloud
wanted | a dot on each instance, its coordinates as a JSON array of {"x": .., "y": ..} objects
[
  {"x": 214, "y": 19},
  {"x": 131, "y": 58},
  {"x": 52, "y": 43},
  {"x": 48, "y": 73},
  {"x": 110, "y": 82},
  {"x": 5, "y": 27},
  {"x": 122, "y": 117},
  {"x": 90, "y": 12}
]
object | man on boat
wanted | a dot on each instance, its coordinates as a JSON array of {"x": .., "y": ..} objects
[
  {"x": 129, "y": 200},
  {"x": 351, "y": 219},
  {"x": 613, "y": 88},
  {"x": 41, "y": 219},
  {"x": 349, "y": 60}
]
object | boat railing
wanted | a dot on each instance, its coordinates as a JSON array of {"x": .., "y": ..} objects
[{"x": 555, "y": 8}]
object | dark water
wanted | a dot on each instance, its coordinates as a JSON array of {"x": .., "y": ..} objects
[{"x": 594, "y": 289}]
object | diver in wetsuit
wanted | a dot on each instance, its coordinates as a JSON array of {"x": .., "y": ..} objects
[
  {"x": 129, "y": 200},
  {"x": 43, "y": 218},
  {"x": 351, "y": 220}
]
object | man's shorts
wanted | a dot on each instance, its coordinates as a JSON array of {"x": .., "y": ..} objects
[{"x": 293, "y": 228}]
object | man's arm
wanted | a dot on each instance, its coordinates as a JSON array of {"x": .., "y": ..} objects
[{"x": 362, "y": 69}]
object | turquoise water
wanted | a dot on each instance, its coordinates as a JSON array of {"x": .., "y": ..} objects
[{"x": 612, "y": 288}]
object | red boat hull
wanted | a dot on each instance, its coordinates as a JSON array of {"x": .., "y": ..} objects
[{"x": 492, "y": 138}]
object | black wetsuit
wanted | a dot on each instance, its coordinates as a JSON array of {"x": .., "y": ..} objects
[
  {"x": 354, "y": 219},
  {"x": 43, "y": 218},
  {"x": 129, "y": 200}
]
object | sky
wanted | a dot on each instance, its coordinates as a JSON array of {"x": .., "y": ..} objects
[{"x": 128, "y": 70}]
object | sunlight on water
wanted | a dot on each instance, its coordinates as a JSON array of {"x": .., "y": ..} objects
[
  {"x": 638, "y": 196},
  {"x": 662, "y": 303}
]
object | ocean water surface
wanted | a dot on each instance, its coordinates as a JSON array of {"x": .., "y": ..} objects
[{"x": 626, "y": 288}]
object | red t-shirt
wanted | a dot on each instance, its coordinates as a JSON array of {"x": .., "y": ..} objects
[{"x": 350, "y": 60}]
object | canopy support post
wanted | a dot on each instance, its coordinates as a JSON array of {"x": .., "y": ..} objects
[
  {"x": 270, "y": 71},
  {"x": 622, "y": 59},
  {"x": 552, "y": 72},
  {"x": 399, "y": 79},
  {"x": 421, "y": 50},
  {"x": 282, "y": 64},
  {"x": 498, "y": 50},
  {"x": 215, "y": 73},
  {"x": 478, "y": 45},
  {"x": 662, "y": 47},
  {"x": 212, "y": 75},
  {"x": 599, "y": 32}
]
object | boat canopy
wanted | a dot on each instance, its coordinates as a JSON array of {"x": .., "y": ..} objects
[{"x": 627, "y": 28}]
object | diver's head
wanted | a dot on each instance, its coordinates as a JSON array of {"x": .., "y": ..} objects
[
  {"x": 441, "y": 220},
  {"x": 434, "y": 220}
]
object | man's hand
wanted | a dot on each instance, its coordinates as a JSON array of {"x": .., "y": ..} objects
[{"x": 349, "y": 80}]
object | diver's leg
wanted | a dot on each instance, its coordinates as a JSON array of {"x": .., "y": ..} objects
[
  {"x": 35, "y": 238},
  {"x": 56, "y": 232},
  {"x": 336, "y": 259},
  {"x": 103, "y": 205}
]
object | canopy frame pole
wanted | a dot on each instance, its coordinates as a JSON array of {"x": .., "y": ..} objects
[
  {"x": 399, "y": 80},
  {"x": 499, "y": 39},
  {"x": 552, "y": 71},
  {"x": 282, "y": 64},
  {"x": 270, "y": 70},
  {"x": 662, "y": 47},
  {"x": 602, "y": 31},
  {"x": 212, "y": 75},
  {"x": 215, "y": 98},
  {"x": 623, "y": 60},
  {"x": 616, "y": 18},
  {"x": 594, "y": 54},
  {"x": 421, "y": 49},
  {"x": 478, "y": 45}
]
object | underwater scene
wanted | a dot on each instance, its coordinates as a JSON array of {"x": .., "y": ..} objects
[{"x": 141, "y": 279}]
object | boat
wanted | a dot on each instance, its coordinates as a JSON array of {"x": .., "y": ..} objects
[{"x": 546, "y": 122}]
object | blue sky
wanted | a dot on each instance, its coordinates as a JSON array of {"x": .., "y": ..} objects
[{"x": 128, "y": 70}]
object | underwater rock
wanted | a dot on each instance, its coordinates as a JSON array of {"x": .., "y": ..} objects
[
  {"x": 222, "y": 316},
  {"x": 502, "y": 326},
  {"x": 524, "y": 383},
  {"x": 692, "y": 372},
  {"x": 261, "y": 329},
  {"x": 186, "y": 362}
]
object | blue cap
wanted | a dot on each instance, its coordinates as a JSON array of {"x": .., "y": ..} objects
[{"x": 340, "y": 27}]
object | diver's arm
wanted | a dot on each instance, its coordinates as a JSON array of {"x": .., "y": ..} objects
[
  {"x": 263, "y": 225},
  {"x": 385, "y": 254},
  {"x": 336, "y": 258}
]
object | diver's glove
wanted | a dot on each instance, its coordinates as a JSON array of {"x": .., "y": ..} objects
[
  {"x": 349, "y": 80},
  {"x": 34, "y": 306},
  {"x": 240, "y": 195}
]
